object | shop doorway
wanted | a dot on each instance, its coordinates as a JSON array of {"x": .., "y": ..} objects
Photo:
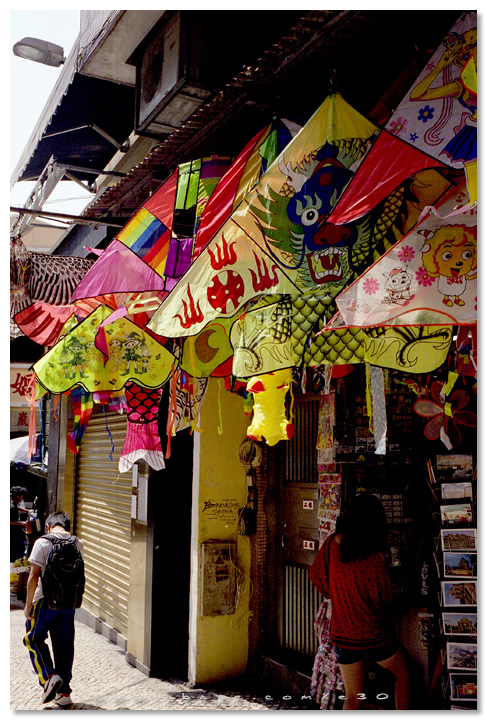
[{"x": 170, "y": 504}]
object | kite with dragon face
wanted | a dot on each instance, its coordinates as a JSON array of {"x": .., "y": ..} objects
[{"x": 322, "y": 252}]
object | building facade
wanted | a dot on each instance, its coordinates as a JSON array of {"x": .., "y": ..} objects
[{"x": 200, "y": 569}]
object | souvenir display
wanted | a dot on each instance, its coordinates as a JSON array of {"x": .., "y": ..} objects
[{"x": 455, "y": 483}]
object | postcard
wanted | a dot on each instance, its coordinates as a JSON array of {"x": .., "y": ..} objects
[
  {"x": 463, "y": 686},
  {"x": 456, "y": 491},
  {"x": 461, "y": 656},
  {"x": 459, "y": 539},
  {"x": 459, "y": 593},
  {"x": 451, "y": 468},
  {"x": 459, "y": 623},
  {"x": 459, "y": 514},
  {"x": 460, "y": 564}
]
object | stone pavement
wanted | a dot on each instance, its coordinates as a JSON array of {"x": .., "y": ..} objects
[{"x": 104, "y": 680}]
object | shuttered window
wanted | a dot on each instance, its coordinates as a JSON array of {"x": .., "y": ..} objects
[
  {"x": 103, "y": 520},
  {"x": 300, "y": 600}
]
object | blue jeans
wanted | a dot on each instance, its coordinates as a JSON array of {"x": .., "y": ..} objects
[{"x": 59, "y": 624}]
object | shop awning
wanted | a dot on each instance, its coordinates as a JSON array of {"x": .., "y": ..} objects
[{"x": 81, "y": 118}]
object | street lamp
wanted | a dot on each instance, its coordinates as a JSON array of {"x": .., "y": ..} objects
[{"x": 40, "y": 51}]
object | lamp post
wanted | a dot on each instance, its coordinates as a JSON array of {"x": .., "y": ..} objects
[{"x": 39, "y": 51}]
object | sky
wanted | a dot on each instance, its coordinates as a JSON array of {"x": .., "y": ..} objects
[{"x": 30, "y": 86}]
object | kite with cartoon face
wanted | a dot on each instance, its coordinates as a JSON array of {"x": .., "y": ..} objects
[{"x": 450, "y": 254}]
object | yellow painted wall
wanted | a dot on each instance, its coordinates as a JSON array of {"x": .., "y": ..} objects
[
  {"x": 138, "y": 622},
  {"x": 220, "y": 643}
]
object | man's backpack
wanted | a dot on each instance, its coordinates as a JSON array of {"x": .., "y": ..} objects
[{"x": 63, "y": 579}]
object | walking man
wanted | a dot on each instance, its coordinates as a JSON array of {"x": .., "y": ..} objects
[{"x": 55, "y": 672}]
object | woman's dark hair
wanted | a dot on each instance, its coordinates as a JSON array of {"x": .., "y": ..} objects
[
  {"x": 59, "y": 518},
  {"x": 363, "y": 527},
  {"x": 18, "y": 490}
]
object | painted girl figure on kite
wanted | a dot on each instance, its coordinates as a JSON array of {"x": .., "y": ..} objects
[
  {"x": 450, "y": 254},
  {"x": 460, "y": 51}
]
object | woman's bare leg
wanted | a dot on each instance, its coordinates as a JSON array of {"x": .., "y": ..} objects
[
  {"x": 397, "y": 665},
  {"x": 353, "y": 678}
]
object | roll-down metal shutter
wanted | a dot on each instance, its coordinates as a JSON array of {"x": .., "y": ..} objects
[{"x": 103, "y": 520}]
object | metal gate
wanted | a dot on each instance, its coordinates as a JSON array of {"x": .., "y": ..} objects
[
  {"x": 299, "y": 496},
  {"x": 103, "y": 520}
]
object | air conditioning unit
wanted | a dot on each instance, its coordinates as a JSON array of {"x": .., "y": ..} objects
[{"x": 168, "y": 87}]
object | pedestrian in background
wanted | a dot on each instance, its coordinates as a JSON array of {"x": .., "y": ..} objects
[
  {"x": 351, "y": 570},
  {"x": 55, "y": 672},
  {"x": 18, "y": 524}
]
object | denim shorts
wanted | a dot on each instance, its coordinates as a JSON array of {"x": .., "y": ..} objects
[{"x": 346, "y": 656}]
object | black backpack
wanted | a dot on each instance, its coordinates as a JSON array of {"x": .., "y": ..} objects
[{"x": 63, "y": 579}]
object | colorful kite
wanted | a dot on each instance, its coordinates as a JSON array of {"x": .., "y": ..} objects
[
  {"x": 43, "y": 323},
  {"x": 439, "y": 113},
  {"x": 242, "y": 176},
  {"x": 428, "y": 278},
  {"x": 130, "y": 262},
  {"x": 82, "y": 410},
  {"x": 44, "y": 280},
  {"x": 131, "y": 355}
]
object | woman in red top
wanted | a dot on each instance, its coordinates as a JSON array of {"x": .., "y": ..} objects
[{"x": 350, "y": 569}]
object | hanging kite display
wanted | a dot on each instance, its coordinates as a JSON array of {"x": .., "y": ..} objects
[
  {"x": 308, "y": 263},
  {"x": 144, "y": 261},
  {"x": 246, "y": 264},
  {"x": 268, "y": 244}
]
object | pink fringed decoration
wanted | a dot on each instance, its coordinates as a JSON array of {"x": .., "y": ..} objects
[{"x": 142, "y": 441}]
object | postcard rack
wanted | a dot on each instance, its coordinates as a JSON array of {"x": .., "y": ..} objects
[{"x": 453, "y": 483}]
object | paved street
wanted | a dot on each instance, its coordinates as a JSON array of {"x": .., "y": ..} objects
[{"x": 103, "y": 680}]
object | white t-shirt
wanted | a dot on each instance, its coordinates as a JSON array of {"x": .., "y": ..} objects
[{"x": 40, "y": 551}]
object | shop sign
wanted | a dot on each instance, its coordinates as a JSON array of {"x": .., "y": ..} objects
[{"x": 20, "y": 378}]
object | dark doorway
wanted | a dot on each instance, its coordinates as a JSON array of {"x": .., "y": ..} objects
[{"x": 170, "y": 501}]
